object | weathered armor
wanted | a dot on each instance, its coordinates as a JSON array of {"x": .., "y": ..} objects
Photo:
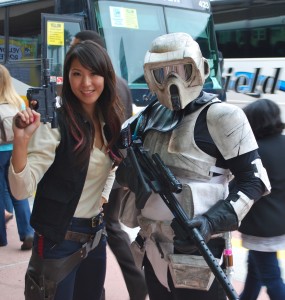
[
  {"x": 193, "y": 168},
  {"x": 204, "y": 160}
]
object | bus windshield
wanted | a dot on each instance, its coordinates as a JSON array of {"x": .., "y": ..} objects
[
  {"x": 129, "y": 28},
  {"x": 255, "y": 30},
  {"x": 251, "y": 36}
]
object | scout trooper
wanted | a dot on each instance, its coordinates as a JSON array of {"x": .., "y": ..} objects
[{"x": 205, "y": 143}]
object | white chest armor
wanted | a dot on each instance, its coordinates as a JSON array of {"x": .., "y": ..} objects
[
  {"x": 191, "y": 166},
  {"x": 179, "y": 151}
]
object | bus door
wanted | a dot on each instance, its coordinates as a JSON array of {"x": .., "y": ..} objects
[{"x": 57, "y": 34}]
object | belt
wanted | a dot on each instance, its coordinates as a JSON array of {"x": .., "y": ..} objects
[
  {"x": 91, "y": 222},
  {"x": 85, "y": 238},
  {"x": 78, "y": 237}
]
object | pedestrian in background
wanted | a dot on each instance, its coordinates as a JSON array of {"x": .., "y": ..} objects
[
  {"x": 8, "y": 95},
  {"x": 118, "y": 240},
  {"x": 263, "y": 228},
  {"x": 72, "y": 170}
]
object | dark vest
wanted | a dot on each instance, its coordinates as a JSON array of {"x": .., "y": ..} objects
[{"x": 59, "y": 190}]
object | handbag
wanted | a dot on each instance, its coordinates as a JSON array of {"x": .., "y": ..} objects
[{"x": 7, "y": 113}]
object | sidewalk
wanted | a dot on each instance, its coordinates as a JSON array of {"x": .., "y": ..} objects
[{"x": 13, "y": 264}]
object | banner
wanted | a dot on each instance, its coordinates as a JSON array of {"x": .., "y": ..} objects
[{"x": 19, "y": 48}]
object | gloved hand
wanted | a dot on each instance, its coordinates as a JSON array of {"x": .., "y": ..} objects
[
  {"x": 185, "y": 244},
  {"x": 221, "y": 217}
]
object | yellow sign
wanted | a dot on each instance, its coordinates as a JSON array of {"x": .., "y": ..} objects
[
  {"x": 55, "y": 33},
  {"x": 124, "y": 17}
]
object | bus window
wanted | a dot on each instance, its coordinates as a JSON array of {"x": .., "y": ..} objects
[
  {"x": 24, "y": 43},
  {"x": 251, "y": 36},
  {"x": 255, "y": 30}
]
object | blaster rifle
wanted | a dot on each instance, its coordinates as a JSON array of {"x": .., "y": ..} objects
[
  {"x": 43, "y": 99},
  {"x": 154, "y": 174}
]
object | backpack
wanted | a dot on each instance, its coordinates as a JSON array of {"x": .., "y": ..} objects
[{"x": 7, "y": 113}]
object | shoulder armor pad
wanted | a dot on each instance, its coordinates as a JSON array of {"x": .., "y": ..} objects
[{"x": 230, "y": 130}]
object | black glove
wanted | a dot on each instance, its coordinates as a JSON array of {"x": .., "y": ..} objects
[
  {"x": 221, "y": 217},
  {"x": 182, "y": 240}
]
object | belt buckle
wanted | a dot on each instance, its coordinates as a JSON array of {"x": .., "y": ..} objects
[{"x": 94, "y": 222}]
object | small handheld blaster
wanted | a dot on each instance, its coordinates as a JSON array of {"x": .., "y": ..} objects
[{"x": 43, "y": 99}]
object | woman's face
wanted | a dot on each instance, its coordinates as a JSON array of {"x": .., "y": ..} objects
[{"x": 85, "y": 85}]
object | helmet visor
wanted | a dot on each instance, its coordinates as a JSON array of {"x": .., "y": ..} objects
[{"x": 184, "y": 71}]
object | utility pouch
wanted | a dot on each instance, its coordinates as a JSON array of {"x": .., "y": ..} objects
[
  {"x": 34, "y": 290},
  {"x": 190, "y": 272},
  {"x": 138, "y": 250},
  {"x": 128, "y": 211},
  {"x": 40, "y": 285}
]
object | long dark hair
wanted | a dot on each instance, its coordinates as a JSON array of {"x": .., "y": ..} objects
[
  {"x": 95, "y": 58},
  {"x": 264, "y": 118}
]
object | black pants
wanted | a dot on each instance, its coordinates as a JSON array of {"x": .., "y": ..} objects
[
  {"x": 158, "y": 291},
  {"x": 119, "y": 242}
]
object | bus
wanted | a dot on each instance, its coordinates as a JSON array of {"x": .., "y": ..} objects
[
  {"x": 251, "y": 37},
  {"x": 31, "y": 31}
]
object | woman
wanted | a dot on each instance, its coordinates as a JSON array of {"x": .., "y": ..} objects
[
  {"x": 118, "y": 240},
  {"x": 72, "y": 169},
  {"x": 263, "y": 228},
  {"x": 8, "y": 95}
]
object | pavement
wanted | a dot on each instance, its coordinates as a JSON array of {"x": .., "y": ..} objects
[{"x": 13, "y": 264}]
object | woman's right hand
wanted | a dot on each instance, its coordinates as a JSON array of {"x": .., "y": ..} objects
[{"x": 25, "y": 123}]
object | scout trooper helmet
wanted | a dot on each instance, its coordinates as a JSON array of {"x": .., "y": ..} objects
[{"x": 175, "y": 69}]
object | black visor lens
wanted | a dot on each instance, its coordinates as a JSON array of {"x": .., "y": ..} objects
[{"x": 182, "y": 70}]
